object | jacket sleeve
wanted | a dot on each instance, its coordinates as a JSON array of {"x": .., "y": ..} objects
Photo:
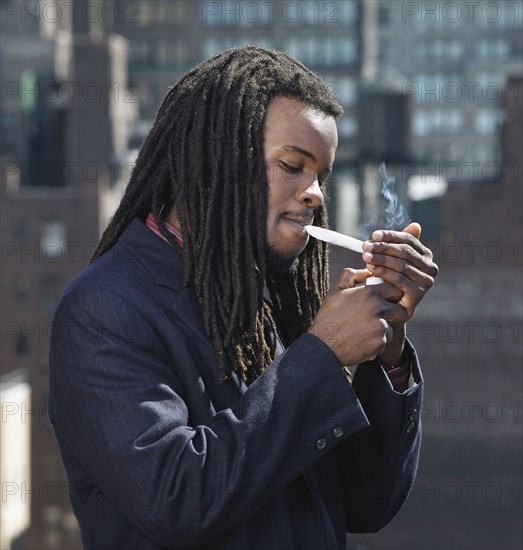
[
  {"x": 379, "y": 463},
  {"x": 118, "y": 405}
]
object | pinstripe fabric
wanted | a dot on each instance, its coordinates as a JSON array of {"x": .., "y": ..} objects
[{"x": 160, "y": 454}]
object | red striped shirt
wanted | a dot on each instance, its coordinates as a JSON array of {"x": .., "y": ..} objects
[
  {"x": 399, "y": 376},
  {"x": 150, "y": 222}
]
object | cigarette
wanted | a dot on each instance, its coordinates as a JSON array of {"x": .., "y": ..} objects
[
  {"x": 333, "y": 237},
  {"x": 338, "y": 239}
]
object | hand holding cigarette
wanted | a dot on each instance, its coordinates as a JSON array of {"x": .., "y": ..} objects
[
  {"x": 406, "y": 266},
  {"x": 399, "y": 258}
]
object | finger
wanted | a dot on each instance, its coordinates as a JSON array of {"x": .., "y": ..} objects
[
  {"x": 414, "y": 229},
  {"x": 385, "y": 290},
  {"x": 398, "y": 237},
  {"x": 388, "y": 333},
  {"x": 412, "y": 292},
  {"x": 414, "y": 270},
  {"x": 375, "y": 254},
  {"x": 349, "y": 278},
  {"x": 402, "y": 281},
  {"x": 393, "y": 313}
]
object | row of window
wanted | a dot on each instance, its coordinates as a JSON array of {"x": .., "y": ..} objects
[
  {"x": 471, "y": 160},
  {"x": 325, "y": 51},
  {"x": 454, "y": 50},
  {"x": 427, "y": 122},
  {"x": 483, "y": 86},
  {"x": 313, "y": 51}
]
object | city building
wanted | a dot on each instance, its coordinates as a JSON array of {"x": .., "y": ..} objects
[{"x": 453, "y": 59}]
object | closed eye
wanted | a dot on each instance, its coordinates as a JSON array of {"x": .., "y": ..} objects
[{"x": 291, "y": 169}]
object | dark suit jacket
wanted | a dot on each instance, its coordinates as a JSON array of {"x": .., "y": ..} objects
[{"x": 160, "y": 454}]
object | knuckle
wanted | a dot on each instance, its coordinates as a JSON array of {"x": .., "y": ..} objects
[
  {"x": 407, "y": 252},
  {"x": 399, "y": 278}
]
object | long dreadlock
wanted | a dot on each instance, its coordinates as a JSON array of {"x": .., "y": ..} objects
[{"x": 202, "y": 156}]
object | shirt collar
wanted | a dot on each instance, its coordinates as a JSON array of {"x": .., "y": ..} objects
[{"x": 150, "y": 222}]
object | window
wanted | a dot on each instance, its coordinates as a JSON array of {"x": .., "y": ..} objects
[
  {"x": 487, "y": 121},
  {"x": 492, "y": 48},
  {"x": 145, "y": 13},
  {"x": 420, "y": 123},
  {"x": 440, "y": 51},
  {"x": 170, "y": 52},
  {"x": 9, "y": 127},
  {"x": 440, "y": 120},
  {"x": 212, "y": 46},
  {"x": 348, "y": 126},
  {"x": 436, "y": 87},
  {"x": 484, "y": 77},
  {"x": 324, "y": 51},
  {"x": 140, "y": 51},
  {"x": 344, "y": 87},
  {"x": 52, "y": 240},
  {"x": 170, "y": 12}
]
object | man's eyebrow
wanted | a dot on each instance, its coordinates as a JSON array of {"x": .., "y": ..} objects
[{"x": 296, "y": 149}]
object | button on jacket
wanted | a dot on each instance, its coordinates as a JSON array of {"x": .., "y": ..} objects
[{"x": 160, "y": 454}]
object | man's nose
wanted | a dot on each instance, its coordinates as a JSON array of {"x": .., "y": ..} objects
[{"x": 312, "y": 195}]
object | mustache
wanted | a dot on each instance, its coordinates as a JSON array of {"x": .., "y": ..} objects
[{"x": 305, "y": 216}]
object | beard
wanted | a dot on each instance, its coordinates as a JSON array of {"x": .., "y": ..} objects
[{"x": 277, "y": 262}]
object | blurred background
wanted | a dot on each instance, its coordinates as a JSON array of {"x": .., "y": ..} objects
[{"x": 434, "y": 89}]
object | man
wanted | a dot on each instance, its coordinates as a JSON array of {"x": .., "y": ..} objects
[{"x": 197, "y": 387}]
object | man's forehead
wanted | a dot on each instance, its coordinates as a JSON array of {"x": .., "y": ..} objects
[{"x": 296, "y": 123}]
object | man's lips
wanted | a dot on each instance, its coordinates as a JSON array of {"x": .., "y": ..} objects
[
  {"x": 299, "y": 221},
  {"x": 298, "y": 224}
]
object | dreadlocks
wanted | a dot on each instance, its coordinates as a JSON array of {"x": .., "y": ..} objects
[{"x": 203, "y": 156}]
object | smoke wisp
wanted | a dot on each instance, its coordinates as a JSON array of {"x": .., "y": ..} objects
[{"x": 391, "y": 213}]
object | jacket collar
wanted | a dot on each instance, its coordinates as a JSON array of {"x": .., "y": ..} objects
[{"x": 159, "y": 258}]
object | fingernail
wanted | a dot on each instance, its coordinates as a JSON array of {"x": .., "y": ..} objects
[
  {"x": 367, "y": 256},
  {"x": 377, "y": 235},
  {"x": 368, "y": 245}
]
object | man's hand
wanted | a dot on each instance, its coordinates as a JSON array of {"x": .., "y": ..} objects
[
  {"x": 354, "y": 321},
  {"x": 400, "y": 259}
]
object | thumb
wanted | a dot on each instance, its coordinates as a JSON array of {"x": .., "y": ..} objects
[
  {"x": 413, "y": 229},
  {"x": 349, "y": 278}
]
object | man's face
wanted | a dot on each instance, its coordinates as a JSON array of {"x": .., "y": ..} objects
[{"x": 299, "y": 145}]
